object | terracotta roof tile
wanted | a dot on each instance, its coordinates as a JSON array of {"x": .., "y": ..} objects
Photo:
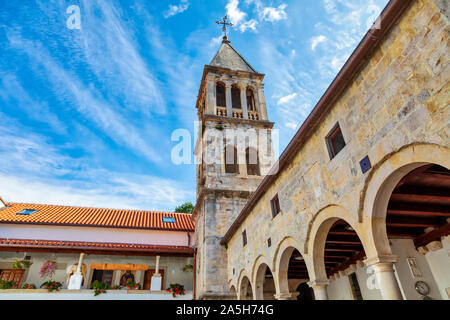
[
  {"x": 29, "y": 243},
  {"x": 95, "y": 217}
]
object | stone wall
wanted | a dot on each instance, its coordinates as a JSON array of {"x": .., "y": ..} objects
[{"x": 395, "y": 110}]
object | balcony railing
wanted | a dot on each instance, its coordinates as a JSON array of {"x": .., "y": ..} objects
[{"x": 237, "y": 113}]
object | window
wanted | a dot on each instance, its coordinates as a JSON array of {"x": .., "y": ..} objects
[
  {"x": 102, "y": 276},
  {"x": 169, "y": 219},
  {"x": 220, "y": 95},
  {"x": 244, "y": 238},
  {"x": 355, "y": 286},
  {"x": 251, "y": 106},
  {"x": 252, "y": 160},
  {"x": 236, "y": 97},
  {"x": 269, "y": 242},
  {"x": 275, "y": 205},
  {"x": 335, "y": 141},
  {"x": 27, "y": 212},
  {"x": 231, "y": 160}
]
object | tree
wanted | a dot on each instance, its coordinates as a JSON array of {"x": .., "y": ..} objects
[{"x": 186, "y": 208}]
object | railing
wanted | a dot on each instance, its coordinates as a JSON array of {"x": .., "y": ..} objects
[
  {"x": 253, "y": 115},
  {"x": 237, "y": 113},
  {"x": 221, "y": 111}
]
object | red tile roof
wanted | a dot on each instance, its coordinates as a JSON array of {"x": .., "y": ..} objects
[
  {"x": 95, "y": 217},
  {"x": 81, "y": 245}
]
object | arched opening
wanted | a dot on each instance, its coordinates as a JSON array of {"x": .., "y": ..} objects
[
  {"x": 265, "y": 284},
  {"x": 246, "y": 292},
  {"x": 233, "y": 292},
  {"x": 417, "y": 215},
  {"x": 231, "y": 159},
  {"x": 220, "y": 95},
  {"x": 251, "y": 105},
  {"x": 291, "y": 273},
  {"x": 306, "y": 293},
  {"x": 252, "y": 160},
  {"x": 236, "y": 97},
  {"x": 343, "y": 248}
]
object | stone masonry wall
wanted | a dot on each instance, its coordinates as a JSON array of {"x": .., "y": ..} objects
[{"x": 400, "y": 97}]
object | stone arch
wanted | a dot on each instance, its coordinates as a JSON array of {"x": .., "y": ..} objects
[
  {"x": 317, "y": 235},
  {"x": 261, "y": 282},
  {"x": 241, "y": 282},
  {"x": 220, "y": 94},
  {"x": 245, "y": 289},
  {"x": 381, "y": 183},
  {"x": 281, "y": 264},
  {"x": 233, "y": 291}
]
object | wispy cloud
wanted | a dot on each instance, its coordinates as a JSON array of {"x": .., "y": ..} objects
[
  {"x": 272, "y": 14},
  {"x": 176, "y": 9},
  {"x": 86, "y": 100},
  {"x": 315, "y": 41}
]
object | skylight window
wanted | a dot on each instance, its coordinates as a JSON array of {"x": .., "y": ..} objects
[
  {"x": 169, "y": 219},
  {"x": 27, "y": 212}
]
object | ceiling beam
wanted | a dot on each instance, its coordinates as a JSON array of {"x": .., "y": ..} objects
[{"x": 432, "y": 235}]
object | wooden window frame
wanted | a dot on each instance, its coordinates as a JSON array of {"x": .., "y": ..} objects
[
  {"x": 330, "y": 141},
  {"x": 236, "y": 102},
  {"x": 251, "y": 104},
  {"x": 275, "y": 206}
]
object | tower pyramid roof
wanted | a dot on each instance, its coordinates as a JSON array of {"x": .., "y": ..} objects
[{"x": 228, "y": 57}]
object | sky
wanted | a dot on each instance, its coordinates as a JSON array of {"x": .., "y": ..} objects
[{"x": 87, "y": 111}]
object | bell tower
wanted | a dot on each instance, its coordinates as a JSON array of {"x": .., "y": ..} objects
[{"x": 233, "y": 152}]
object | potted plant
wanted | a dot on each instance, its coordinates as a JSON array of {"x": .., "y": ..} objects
[
  {"x": 28, "y": 286},
  {"x": 6, "y": 284},
  {"x": 188, "y": 267},
  {"x": 52, "y": 285},
  {"x": 21, "y": 264},
  {"x": 131, "y": 285},
  {"x": 48, "y": 269},
  {"x": 176, "y": 289},
  {"x": 99, "y": 287}
]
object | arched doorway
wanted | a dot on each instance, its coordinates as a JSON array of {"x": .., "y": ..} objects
[
  {"x": 246, "y": 292},
  {"x": 264, "y": 283},
  {"x": 233, "y": 293}
]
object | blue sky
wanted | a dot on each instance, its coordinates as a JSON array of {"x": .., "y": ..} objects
[{"x": 86, "y": 116}]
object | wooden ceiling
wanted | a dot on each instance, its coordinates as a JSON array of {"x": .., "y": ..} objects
[{"x": 418, "y": 209}]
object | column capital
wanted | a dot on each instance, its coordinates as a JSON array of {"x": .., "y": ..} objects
[
  {"x": 380, "y": 259},
  {"x": 318, "y": 283},
  {"x": 283, "y": 296}
]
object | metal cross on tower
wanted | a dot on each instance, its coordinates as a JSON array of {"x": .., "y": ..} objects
[{"x": 224, "y": 24}]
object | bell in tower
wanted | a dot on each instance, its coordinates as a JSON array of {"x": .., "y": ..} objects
[{"x": 234, "y": 153}]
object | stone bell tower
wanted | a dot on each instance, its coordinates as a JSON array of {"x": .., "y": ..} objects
[{"x": 234, "y": 153}]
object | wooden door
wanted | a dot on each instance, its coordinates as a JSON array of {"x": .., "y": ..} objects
[
  {"x": 12, "y": 275},
  {"x": 148, "y": 278}
]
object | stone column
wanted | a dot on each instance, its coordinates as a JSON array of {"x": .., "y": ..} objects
[
  {"x": 262, "y": 109},
  {"x": 156, "y": 282},
  {"x": 320, "y": 289},
  {"x": 243, "y": 89},
  {"x": 211, "y": 102},
  {"x": 385, "y": 276},
  {"x": 228, "y": 100}
]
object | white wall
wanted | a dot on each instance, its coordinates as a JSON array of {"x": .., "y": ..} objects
[
  {"x": 403, "y": 249},
  {"x": 439, "y": 262},
  {"x": 92, "y": 234},
  {"x": 172, "y": 266},
  {"x": 340, "y": 289}
]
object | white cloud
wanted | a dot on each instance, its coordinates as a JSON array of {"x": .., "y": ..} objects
[
  {"x": 316, "y": 41},
  {"x": 251, "y": 24},
  {"x": 287, "y": 99},
  {"x": 176, "y": 9},
  {"x": 86, "y": 100},
  {"x": 291, "y": 125},
  {"x": 272, "y": 14},
  {"x": 234, "y": 13}
]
